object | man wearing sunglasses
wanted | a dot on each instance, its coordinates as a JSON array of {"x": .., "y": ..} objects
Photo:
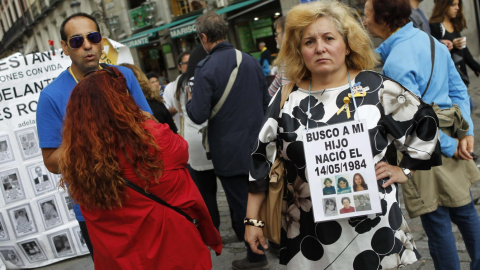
[{"x": 82, "y": 41}]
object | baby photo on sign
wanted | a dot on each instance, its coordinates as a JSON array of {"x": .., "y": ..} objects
[
  {"x": 40, "y": 178},
  {"x": 9, "y": 254},
  {"x": 3, "y": 230},
  {"x": 49, "y": 209},
  {"x": 6, "y": 153},
  {"x": 28, "y": 142},
  {"x": 62, "y": 244},
  {"x": 22, "y": 220},
  {"x": 11, "y": 186},
  {"x": 32, "y": 250},
  {"x": 80, "y": 240},
  {"x": 68, "y": 204}
]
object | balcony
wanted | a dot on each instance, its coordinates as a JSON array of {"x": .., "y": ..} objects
[{"x": 15, "y": 32}]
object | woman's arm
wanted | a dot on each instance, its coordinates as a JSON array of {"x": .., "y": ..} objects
[{"x": 254, "y": 235}]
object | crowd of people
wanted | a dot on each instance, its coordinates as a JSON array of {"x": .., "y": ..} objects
[{"x": 110, "y": 128}]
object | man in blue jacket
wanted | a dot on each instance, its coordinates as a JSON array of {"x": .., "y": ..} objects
[
  {"x": 234, "y": 129},
  {"x": 82, "y": 41}
]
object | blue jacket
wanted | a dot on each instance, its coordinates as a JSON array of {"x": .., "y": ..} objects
[
  {"x": 234, "y": 129},
  {"x": 407, "y": 59}
]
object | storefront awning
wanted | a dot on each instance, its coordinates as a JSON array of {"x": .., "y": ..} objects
[
  {"x": 183, "y": 30},
  {"x": 189, "y": 27},
  {"x": 137, "y": 41},
  {"x": 154, "y": 30}
]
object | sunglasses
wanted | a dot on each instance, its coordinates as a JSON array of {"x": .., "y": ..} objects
[{"x": 77, "y": 41}]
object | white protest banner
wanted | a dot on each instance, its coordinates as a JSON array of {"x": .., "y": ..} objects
[
  {"x": 341, "y": 171},
  {"x": 37, "y": 223}
]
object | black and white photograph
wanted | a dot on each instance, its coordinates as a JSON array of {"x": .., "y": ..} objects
[
  {"x": 62, "y": 245},
  {"x": 80, "y": 240},
  {"x": 9, "y": 254},
  {"x": 11, "y": 187},
  {"x": 32, "y": 250},
  {"x": 28, "y": 142},
  {"x": 50, "y": 216},
  {"x": 362, "y": 202},
  {"x": 40, "y": 178},
  {"x": 3, "y": 230},
  {"x": 68, "y": 205},
  {"x": 22, "y": 220},
  {"x": 6, "y": 152}
]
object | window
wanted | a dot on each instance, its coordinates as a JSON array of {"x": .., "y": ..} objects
[{"x": 181, "y": 7}]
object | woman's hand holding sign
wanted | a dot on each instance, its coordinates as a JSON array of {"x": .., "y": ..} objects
[{"x": 384, "y": 170}]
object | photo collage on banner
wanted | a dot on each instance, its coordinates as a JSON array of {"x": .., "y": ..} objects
[
  {"x": 36, "y": 216},
  {"x": 341, "y": 171}
]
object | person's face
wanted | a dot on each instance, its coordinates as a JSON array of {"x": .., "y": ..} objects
[
  {"x": 328, "y": 184},
  {"x": 86, "y": 57},
  {"x": 358, "y": 179},
  {"x": 154, "y": 83},
  {"x": 330, "y": 206},
  {"x": 375, "y": 29},
  {"x": 363, "y": 200},
  {"x": 184, "y": 64},
  {"x": 346, "y": 203},
  {"x": 38, "y": 171},
  {"x": 3, "y": 146},
  {"x": 279, "y": 36},
  {"x": 342, "y": 184},
  {"x": 323, "y": 48},
  {"x": 453, "y": 9}
]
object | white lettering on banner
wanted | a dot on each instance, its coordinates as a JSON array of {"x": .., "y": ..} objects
[
  {"x": 137, "y": 42},
  {"x": 335, "y": 154}
]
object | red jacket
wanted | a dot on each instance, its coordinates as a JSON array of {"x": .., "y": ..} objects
[{"x": 146, "y": 235}]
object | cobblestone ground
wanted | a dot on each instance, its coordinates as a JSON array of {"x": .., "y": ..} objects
[{"x": 234, "y": 249}]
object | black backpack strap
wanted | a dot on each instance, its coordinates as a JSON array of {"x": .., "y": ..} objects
[{"x": 160, "y": 201}]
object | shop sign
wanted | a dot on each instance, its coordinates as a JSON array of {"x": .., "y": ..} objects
[
  {"x": 262, "y": 32},
  {"x": 183, "y": 30},
  {"x": 137, "y": 42},
  {"x": 138, "y": 18}
]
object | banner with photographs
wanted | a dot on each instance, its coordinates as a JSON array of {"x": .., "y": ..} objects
[
  {"x": 37, "y": 222},
  {"x": 341, "y": 171}
]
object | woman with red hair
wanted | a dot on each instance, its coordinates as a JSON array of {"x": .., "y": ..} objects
[{"x": 107, "y": 138}]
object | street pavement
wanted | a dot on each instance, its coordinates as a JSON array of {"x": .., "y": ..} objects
[{"x": 234, "y": 249}]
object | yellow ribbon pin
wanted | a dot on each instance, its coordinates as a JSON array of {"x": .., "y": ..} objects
[{"x": 346, "y": 101}]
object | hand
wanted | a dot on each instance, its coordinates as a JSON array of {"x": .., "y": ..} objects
[
  {"x": 384, "y": 170},
  {"x": 464, "y": 148},
  {"x": 460, "y": 43},
  {"x": 447, "y": 43},
  {"x": 254, "y": 237}
]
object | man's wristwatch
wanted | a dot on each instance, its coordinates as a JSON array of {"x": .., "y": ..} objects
[{"x": 407, "y": 172}]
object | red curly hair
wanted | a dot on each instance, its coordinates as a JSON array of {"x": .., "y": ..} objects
[{"x": 102, "y": 121}]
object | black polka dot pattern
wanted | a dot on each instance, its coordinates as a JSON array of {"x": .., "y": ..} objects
[
  {"x": 311, "y": 248},
  {"x": 383, "y": 240},
  {"x": 334, "y": 232}
]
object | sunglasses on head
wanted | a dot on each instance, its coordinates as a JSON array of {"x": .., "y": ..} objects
[{"x": 77, "y": 41}]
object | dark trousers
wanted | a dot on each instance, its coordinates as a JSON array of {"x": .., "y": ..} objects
[
  {"x": 206, "y": 182},
  {"x": 236, "y": 191},
  {"x": 86, "y": 237}
]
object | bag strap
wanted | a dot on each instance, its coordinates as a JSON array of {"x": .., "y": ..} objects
[
  {"x": 231, "y": 80},
  {"x": 160, "y": 201},
  {"x": 432, "y": 48}
]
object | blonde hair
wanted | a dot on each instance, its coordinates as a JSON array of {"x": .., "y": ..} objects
[
  {"x": 347, "y": 21},
  {"x": 147, "y": 90}
]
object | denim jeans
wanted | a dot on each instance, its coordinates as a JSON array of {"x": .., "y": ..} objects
[{"x": 441, "y": 241}]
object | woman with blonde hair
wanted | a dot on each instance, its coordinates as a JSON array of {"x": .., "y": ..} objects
[
  {"x": 107, "y": 139},
  {"x": 155, "y": 101},
  {"x": 327, "y": 54}
]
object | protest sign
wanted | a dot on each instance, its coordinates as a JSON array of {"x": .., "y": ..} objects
[
  {"x": 37, "y": 223},
  {"x": 341, "y": 171}
]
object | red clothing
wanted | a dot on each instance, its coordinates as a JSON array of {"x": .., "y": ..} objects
[
  {"x": 344, "y": 210},
  {"x": 146, "y": 235}
]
